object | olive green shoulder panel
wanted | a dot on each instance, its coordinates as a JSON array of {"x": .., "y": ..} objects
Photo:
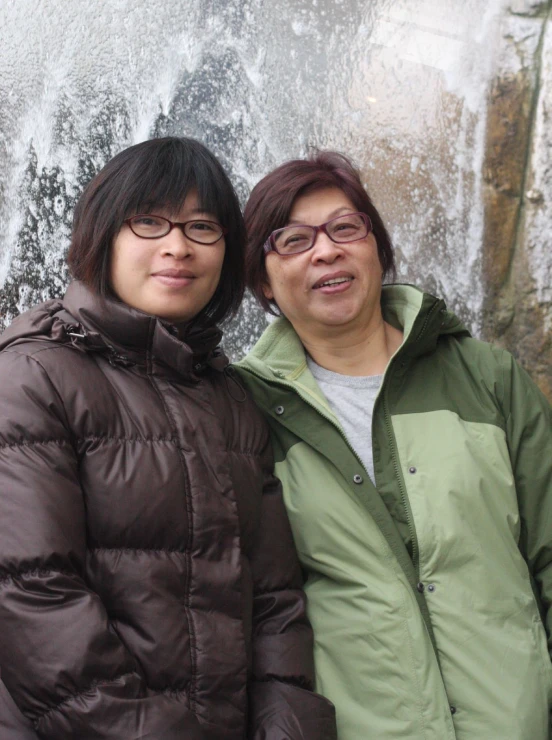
[{"x": 463, "y": 375}]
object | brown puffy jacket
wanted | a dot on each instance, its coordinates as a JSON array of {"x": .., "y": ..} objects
[{"x": 149, "y": 586}]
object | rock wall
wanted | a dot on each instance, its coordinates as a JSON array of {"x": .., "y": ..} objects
[
  {"x": 517, "y": 245},
  {"x": 444, "y": 104}
]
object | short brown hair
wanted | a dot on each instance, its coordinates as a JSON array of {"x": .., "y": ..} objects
[
  {"x": 158, "y": 173},
  {"x": 271, "y": 202}
]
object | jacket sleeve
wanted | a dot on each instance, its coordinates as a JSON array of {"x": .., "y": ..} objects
[
  {"x": 62, "y": 662},
  {"x": 529, "y": 433},
  {"x": 282, "y": 703}
]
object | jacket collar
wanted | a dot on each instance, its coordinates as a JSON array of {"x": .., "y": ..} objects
[
  {"x": 279, "y": 353},
  {"x": 144, "y": 339},
  {"x": 125, "y": 335}
]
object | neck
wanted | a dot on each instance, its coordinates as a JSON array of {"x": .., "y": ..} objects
[{"x": 355, "y": 352}]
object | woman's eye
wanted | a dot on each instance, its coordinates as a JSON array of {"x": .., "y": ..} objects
[
  {"x": 296, "y": 239},
  {"x": 146, "y": 221},
  {"x": 204, "y": 226},
  {"x": 292, "y": 239},
  {"x": 346, "y": 229}
]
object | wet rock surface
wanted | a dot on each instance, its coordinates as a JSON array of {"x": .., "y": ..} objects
[
  {"x": 517, "y": 246},
  {"x": 445, "y": 106}
]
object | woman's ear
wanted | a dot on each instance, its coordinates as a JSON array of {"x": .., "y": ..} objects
[{"x": 267, "y": 291}]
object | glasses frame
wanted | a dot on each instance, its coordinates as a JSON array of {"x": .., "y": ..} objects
[
  {"x": 270, "y": 243},
  {"x": 180, "y": 224}
]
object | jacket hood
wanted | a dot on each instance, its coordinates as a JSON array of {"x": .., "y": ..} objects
[
  {"x": 40, "y": 322},
  {"x": 421, "y": 316},
  {"x": 125, "y": 335}
]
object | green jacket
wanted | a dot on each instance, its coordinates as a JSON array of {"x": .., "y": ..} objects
[{"x": 448, "y": 642}]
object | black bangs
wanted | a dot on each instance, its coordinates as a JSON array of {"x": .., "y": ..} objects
[
  {"x": 159, "y": 174},
  {"x": 164, "y": 175}
]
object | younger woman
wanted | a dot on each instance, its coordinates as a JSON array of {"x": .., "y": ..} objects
[{"x": 149, "y": 586}]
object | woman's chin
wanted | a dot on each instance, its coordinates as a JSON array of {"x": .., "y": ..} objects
[{"x": 338, "y": 316}]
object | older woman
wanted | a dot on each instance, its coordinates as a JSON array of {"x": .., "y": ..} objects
[
  {"x": 417, "y": 472},
  {"x": 148, "y": 583}
]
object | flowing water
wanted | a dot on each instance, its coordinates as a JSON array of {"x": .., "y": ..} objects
[{"x": 400, "y": 86}]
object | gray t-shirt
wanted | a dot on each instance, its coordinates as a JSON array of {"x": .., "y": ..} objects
[{"x": 351, "y": 398}]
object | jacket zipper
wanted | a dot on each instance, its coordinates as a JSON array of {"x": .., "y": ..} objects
[
  {"x": 392, "y": 445},
  {"x": 404, "y": 499}
]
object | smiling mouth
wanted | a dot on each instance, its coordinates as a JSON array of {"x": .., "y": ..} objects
[{"x": 334, "y": 281}]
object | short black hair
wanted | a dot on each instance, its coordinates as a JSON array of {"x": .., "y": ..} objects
[{"x": 158, "y": 173}]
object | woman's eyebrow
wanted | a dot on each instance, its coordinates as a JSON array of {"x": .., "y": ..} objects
[
  {"x": 332, "y": 214},
  {"x": 202, "y": 211}
]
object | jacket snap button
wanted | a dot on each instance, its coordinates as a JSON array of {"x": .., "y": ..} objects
[
  {"x": 279, "y": 410},
  {"x": 357, "y": 478},
  {"x": 431, "y": 587},
  {"x": 420, "y": 587},
  {"x": 452, "y": 710},
  {"x": 412, "y": 470}
]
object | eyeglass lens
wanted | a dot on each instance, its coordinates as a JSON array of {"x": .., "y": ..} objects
[
  {"x": 153, "y": 227},
  {"x": 347, "y": 228}
]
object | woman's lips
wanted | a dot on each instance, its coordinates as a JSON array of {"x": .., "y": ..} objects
[
  {"x": 336, "y": 288},
  {"x": 330, "y": 285},
  {"x": 174, "y": 279}
]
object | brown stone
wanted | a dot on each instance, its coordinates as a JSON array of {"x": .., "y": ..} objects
[
  {"x": 508, "y": 126},
  {"x": 512, "y": 316}
]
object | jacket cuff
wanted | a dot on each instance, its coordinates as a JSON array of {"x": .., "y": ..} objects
[
  {"x": 282, "y": 711},
  {"x": 286, "y": 657}
]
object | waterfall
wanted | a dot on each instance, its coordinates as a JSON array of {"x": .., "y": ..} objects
[{"x": 402, "y": 87}]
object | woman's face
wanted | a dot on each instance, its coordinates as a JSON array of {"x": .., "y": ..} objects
[
  {"x": 170, "y": 277},
  {"x": 299, "y": 283}
]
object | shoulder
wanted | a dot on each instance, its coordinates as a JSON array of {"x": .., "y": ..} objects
[
  {"x": 27, "y": 358},
  {"x": 31, "y": 407},
  {"x": 476, "y": 356},
  {"x": 485, "y": 355},
  {"x": 497, "y": 369},
  {"x": 33, "y": 334},
  {"x": 243, "y": 424},
  {"x": 60, "y": 364},
  {"x": 472, "y": 347},
  {"x": 29, "y": 349},
  {"x": 41, "y": 383}
]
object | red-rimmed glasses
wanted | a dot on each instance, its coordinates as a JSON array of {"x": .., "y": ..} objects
[
  {"x": 350, "y": 227},
  {"x": 150, "y": 226}
]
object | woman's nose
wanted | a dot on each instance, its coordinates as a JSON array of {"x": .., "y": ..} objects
[
  {"x": 176, "y": 243},
  {"x": 325, "y": 249}
]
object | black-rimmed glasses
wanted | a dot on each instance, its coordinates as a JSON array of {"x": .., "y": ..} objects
[
  {"x": 149, "y": 226},
  {"x": 349, "y": 227}
]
